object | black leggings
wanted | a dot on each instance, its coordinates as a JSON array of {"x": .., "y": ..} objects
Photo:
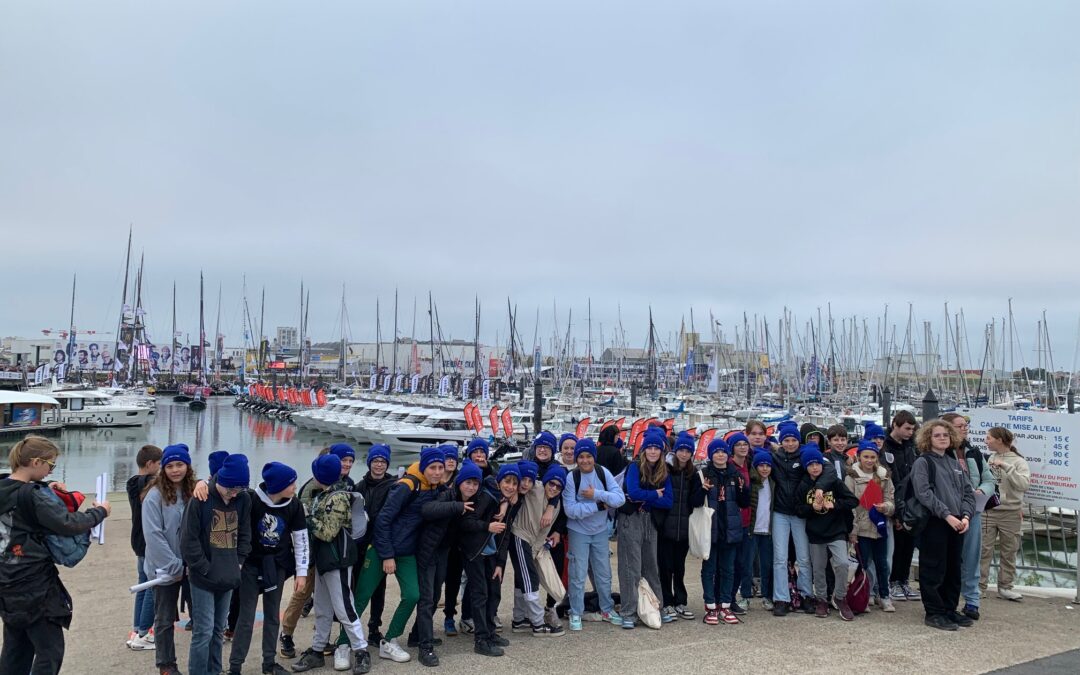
[{"x": 672, "y": 559}]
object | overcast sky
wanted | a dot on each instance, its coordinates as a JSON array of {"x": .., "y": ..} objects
[{"x": 717, "y": 155}]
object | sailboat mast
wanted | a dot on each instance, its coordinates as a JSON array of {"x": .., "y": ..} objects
[
  {"x": 262, "y": 334},
  {"x": 218, "y": 340},
  {"x": 202, "y": 335},
  {"x": 173, "y": 347},
  {"x": 123, "y": 299},
  {"x": 71, "y": 328},
  {"x": 393, "y": 369}
]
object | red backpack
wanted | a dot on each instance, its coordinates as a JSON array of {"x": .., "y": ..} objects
[{"x": 858, "y": 592}]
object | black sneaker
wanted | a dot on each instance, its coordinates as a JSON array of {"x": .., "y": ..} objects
[
  {"x": 309, "y": 660},
  {"x": 374, "y": 637},
  {"x": 485, "y": 648},
  {"x": 940, "y": 622},
  {"x": 306, "y": 610},
  {"x": 288, "y": 649},
  {"x": 361, "y": 662},
  {"x": 500, "y": 641},
  {"x": 523, "y": 626},
  {"x": 275, "y": 669},
  {"x": 428, "y": 657},
  {"x": 780, "y": 608},
  {"x": 809, "y": 607},
  {"x": 547, "y": 630},
  {"x": 736, "y": 608},
  {"x": 971, "y": 612},
  {"x": 960, "y": 620}
]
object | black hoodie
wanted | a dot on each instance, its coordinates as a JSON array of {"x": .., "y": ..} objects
[
  {"x": 215, "y": 539},
  {"x": 898, "y": 457},
  {"x": 607, "y": 454},
  {"x": 831, "y": 525}
]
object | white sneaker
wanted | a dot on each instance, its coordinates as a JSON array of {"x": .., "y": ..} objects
[
  {"x": 1009, "y": 594},
  {"x": 139, "y": 642},
  {"x": 390, "y": 649},
  {"x": 342, "y": 658}
]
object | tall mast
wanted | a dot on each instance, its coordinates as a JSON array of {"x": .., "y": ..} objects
[
  {"x": 341, "y": 354},
  {"x": 378, "y": 342},
  {"x": 123, "y": 300},
  {"x": 173, "y": 346},
  {"x": 393, "y": 370},
  {"x": 218, "y": 340},
  {"x": 202, "y": 334},
  {"x": 262, "y": 334},
  {"x": 137, "y": 326},
  {"x": 304, "y": 352},
  {"x": 431, "y": 336},
  {"x": 71, "y": 329},
  {"x": 476, "y": 344},
  {"x": 300, "y": 331},
  {"x": 588, "y": 350}
]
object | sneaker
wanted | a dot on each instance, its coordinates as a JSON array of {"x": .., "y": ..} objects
[
  {"x": 485, "y": 648},
  {"x": 309, "y": 660},
  {"x": 738, "y": 609},
  {"x": 149, "y": 637},
  {"x": 767, "y": 604},
  {"x": 727, "y": 616},
  {"x": 809, "y": 605},
  {"x": 684, "y": 612},
  {"x": 169, "y": 670},
  {"x": 887, "y": 605},
  {"x": 960, "y": 620},
  {"x": 846, "y": 612},
  {"x": 547, "y": 630},
  {"x": 897, "y": 592},
  {"x": 449, "y": 627},
  {"x": 499, "y": 641},
  {"x": 667, "y": 618},
  {"x": 1009, "y": 594},
  {"x": 309, "y": 604},
  {"x": 629, "y": 624},
  {"x": 940, "y": 622},
  {"x": 821, "y": 610},
  {"x": 712, "y": 616},
  {"x": 467, "y": 626},
  {"x": 286, "y": 647},
  {"x": 575, "y": 622},
  {"x": 551, "y": 618},
  {"x": 228, "y": 635},
  {"x": 780, "y": 608},
  {"x": 328, "y": 650},
  {"x": 190, "y": 625},
  {"x": 390, "y": 649},
  {"x": 611, "y": 617},
  {"x": 910, "y": 592},
  {"x": 971, "y": 611},
  {"x": 361, "y": 662},
  {"x": 342, "y": 657},
  {"x": 592, "y": 617},
  {"x": 498, "y": 625},
  {"x": 138, "y": 643},
  {"x": 428, "y": 657},
  {"x": 523, "y": 626},
  {"x": 666, "y": 611},
  {"x": 275, "y": 669}
]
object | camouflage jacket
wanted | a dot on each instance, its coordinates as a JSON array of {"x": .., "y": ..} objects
[{"x": 330, "y": 510}]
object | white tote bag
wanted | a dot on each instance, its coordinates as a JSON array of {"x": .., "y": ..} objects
[
  {"x": 648, "y": 606},
  {"x": 701, "y": 527},
  {"x": 550, "y": 579}
]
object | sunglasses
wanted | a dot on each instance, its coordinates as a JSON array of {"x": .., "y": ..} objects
[{"x": 52, "y": 465}]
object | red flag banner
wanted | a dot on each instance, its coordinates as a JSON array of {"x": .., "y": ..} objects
[
  {"x": 635, "y": 433},
  {"x": 582, "y": 428},
  {"x": 669, "y": 424},
  {"x": 508, "y": 425},
  {"x": 478, "y": 420},
  {"x": 701, "y": 453},
  {"x": 493, "y": 417},
  {"x": 468, "y": 417}
]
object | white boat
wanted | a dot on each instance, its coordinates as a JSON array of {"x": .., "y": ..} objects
[
  {"x": 23, "y": 412},
  {"x": 93, "y": 408}
]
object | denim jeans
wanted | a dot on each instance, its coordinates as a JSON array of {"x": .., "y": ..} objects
[
  {"x": 969, "y": 561},
  {"x": 784, "y": 526},
  {"x": 875, "y": 560},
  {"x": 210, "y": 612},
  {"x": 590, "y": 550},
  {"x": 744, "y": 565},
  {"x": 143, "y": 619},
  {"x": 763, "y": 544},
  {"x": 718, "y": 574}
]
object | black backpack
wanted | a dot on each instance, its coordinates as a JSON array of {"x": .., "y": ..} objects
[
  {"x": 577, "y": 479},
  {"x": 912, "y": 513}
]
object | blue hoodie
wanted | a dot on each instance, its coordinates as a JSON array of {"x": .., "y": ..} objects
[{"x": 585, "y": 516}]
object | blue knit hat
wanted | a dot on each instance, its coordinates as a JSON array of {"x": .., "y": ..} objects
[
  {"x": 529, "y": 469},
  {"x": 468, "y": 471},
  {"x": 216, "y": 460},
  {"x": 175, "y": 453},
  {"x": 653, "y": 439},
  {"x": 718, "y": 445},
  {"x": 566, "y": 437},
  {"x": 555, "y": 473},
  {"x": 545, "y": 438},
  {"x": 762, "y": 457},
  {"x": 737, "y": 437},
  {"x": 869, "y": 445},
  {"x": 811, "y": 453},
  {"x": 429, "y": 456},
  {"x": 234, "y": 472},
  {"x": 377, "y": 452},
  {"x": 326, "y": 469},
  {"x": 277, "y": 477},
  {"x": 872, "y": 431},
  {"x": 789, "y": 432},
  {"x": 584, "y": 445},
  {"x": 343, "y": 450},
  {"x": 478, "y": 444},
  {"x": 508, "y": 470},
  {"x": 684, "y": 441},
  {"x": 451, "y": 451}
]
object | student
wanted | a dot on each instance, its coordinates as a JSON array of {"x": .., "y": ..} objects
[
  {"x": 567, "y": 445},
  {"x": 826, "y": 504},
  {"x": 375, "y": 487},
  {"x": 478, "y": 451},
  {"x": 744, "y": 554},
  {"x": 721, "y": 487},
  {"x": 279, "y": 550},
  {"x": 530, "y": 531},
  {"x": 835, "y": 453},
  {"x": 347, "y": 454},
  {"x": 609, "y": 451},
  {"x": 148, "y": 460},
  {"x": 948, "y": 495},
  {"x": 761, "y": 499},
  {"x": 874, "y": 432},
  {"x": 758, "y": 435},
  {"x": 978, "y": 473},
  {"x": 334, "y": 553},
  {"x": 455, "y": 568},
  {"x": 475, "y": 540},
  {"x": 590, "y": 491},
  {"x": 1002, "y": 524},
  {"x": 872, "y": 523},
  {"x": 397, "y": 529},
  {"x": 811, "y": 434},
  {"x": 788, "y": 472},
  {"x": 545, "y": 447},
  {"x": 438, "y": 515},
  {"x": 450, "y": 456},
  {"x": 648, "y": 489},
  {"x": 898, "y": 455},
  {"x": 673, "y": 544},
  {"x": 36, "y": 608}
]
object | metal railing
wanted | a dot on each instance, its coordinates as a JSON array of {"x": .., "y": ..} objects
[{"x": 1048, "y": 549}]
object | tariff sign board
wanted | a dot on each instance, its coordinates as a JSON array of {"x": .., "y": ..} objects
[{"x": 1045, "y": 441}]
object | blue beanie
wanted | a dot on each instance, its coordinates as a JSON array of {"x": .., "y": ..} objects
[
  {"x": 277, "y": 477},
  {"x": 872, "y": 431},
  {"x": 584, "y": 445},
  {"x": 762, "y": 457},
  {"x": 556, "y": 473},
  {"x": 468, "y": 471},
  {"x": 545, "y": 438},
  {"x": 653, "y": 439},
  {"x": 811, "y": 453},
  {"x": 718, "y": 445},
  {"x": 478, "y": 444},
  {"x": 684, "y": 441},
  {"x": 216, "y": 460},
  {"x": 377, "y": 452},
  {"x": 566, "y": 437},
  {"x": 326, "y": 469},
  {"x": 508, "y": 470},
  {"x": 429, "y": 456},
  {"x": 789, "y": 432},
  {"x": 450, "y": 451},
  {"x": 869, "y": 445},
  {"x": 737, "y": 437},
  {"x": 343, "y": 450},
  {"x": 529, "y": 469},
  {"x": 234, "y": 472},
  {"x": 175, "y": 453}
]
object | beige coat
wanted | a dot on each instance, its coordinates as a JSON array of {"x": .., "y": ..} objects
[
  {"x": 856, "y": 481},
  {"x": 1013, "y": 478}
]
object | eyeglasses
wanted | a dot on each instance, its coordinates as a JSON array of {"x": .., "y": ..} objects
[
  {"x": 940, "y": 436},
  {"x": 52, "y": 465}
]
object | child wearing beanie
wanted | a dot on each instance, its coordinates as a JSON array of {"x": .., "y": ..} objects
[
  {"x": 540, "y": 507},
  {"x": 761, "y": 500},
  {"x": 872, "y": 486},
  {"x": 374, "y": 487},
  {"x": 827, "y": 505},
  {"x": 787, "y": 473}
]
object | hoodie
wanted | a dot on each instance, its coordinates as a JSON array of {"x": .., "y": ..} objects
[
  {"x": 1013, "y": 479},
  {"x": 824, "y": 527},
  {"x": 397, "y": 527},
  {"x": 375, "y": 491},
  {"x": 270, "y": 523},
  {"x": 950, "y": 494},
  {"x": 161, "y": 530},
  {"x": 135, "y": 486},
  {"x": 898, "y": 457},
  {"x": 215, "y": 539},
  {"x": 856, "y": 482},
  {"x": 589, "y": 516}
]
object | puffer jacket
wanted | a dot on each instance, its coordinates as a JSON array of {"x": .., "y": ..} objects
[
  {"x": 677, "y": 522},
  {"x": 439, "y": 515},
  {"x": 787, "y": 473},
  {"x": 856, "y": 482},
  {"x": 728, "y": 496},
  {"x": 397, "y": 526}
]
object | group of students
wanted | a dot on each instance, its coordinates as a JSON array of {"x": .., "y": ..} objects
[{"x": 806, "y": 496}]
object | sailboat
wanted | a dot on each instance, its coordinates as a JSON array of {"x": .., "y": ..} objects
[{"x": 198, "y": 400}]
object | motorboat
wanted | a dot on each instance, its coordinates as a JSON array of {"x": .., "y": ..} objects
[{"x": 22, "y": 412}]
